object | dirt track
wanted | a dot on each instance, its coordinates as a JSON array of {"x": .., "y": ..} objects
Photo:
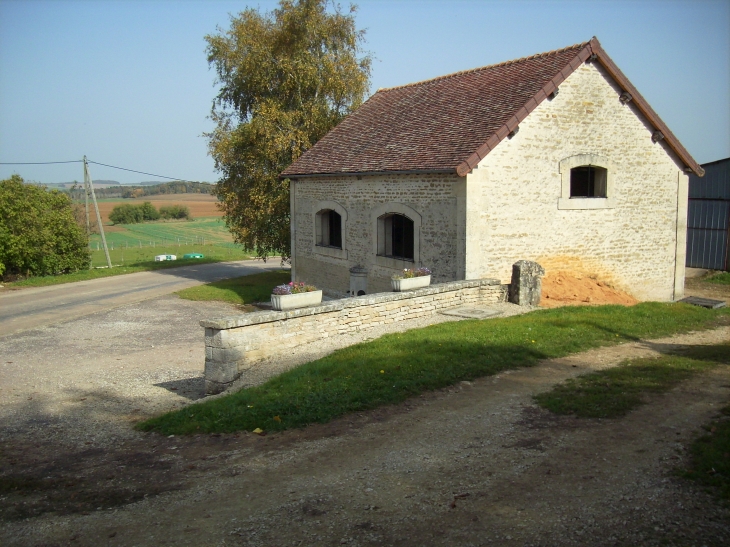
[{"x": 478, "y": 464}]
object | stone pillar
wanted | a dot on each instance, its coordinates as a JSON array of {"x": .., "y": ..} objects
[
  {"x": 223, "y": 361},
  {"x": 526, "y": 286}
]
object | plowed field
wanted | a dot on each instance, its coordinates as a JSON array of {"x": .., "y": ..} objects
[{"x": 200, "y": 205}]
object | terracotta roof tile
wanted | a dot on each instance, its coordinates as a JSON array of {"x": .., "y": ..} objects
[{"x": 449, "y": 123}]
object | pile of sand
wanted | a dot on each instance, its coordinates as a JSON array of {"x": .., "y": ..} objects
[{"x": 561, "y": 288}]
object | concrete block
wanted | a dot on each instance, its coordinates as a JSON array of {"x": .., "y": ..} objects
[
  {"x": 221, "y": 372},
  {"x": 228, "y": 354},
  {"x": 526, "y": 286}
]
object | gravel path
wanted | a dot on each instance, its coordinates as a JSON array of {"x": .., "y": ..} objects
[{"x": 477, "y": 464}]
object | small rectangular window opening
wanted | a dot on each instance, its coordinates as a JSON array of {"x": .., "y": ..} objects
[
  {"x": 402, "y": 237},
  {"x": 588, "y": 181},
  {"x": 335, "y": 229},
  {"x": 329, "y": 229},
  {"x": 396, "y": 236}
]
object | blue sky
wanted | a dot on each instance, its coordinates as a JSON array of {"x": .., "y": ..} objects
[{"x": 128, "y": 84}]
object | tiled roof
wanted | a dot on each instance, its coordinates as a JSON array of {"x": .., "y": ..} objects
[{"x": 449, "y": 123}]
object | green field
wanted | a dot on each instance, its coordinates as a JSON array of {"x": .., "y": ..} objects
[
  {"x": 132, "y": 243},
  {"x": 211, "y": 230}
]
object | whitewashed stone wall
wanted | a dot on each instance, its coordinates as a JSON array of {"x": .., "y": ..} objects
[
  {"x": 234, "y": 344},
  {"x": 432, "y": 197},
  {"x": 512, "y": 197}
]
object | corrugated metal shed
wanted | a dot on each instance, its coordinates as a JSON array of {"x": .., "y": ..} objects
[{"x": 708, "y": 217}]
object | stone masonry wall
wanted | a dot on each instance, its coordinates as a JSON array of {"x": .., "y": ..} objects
[
  {"x": 233, "y": 344},
  {"x": 512, "y": 196},
  {"x": 433, "y": 197}
]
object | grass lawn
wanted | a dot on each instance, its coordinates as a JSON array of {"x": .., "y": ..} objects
[
  {"x": 721, "y": 278},
  {"x": 240, "y": 290},
  {"x": 710, "y": 456},
  {"x": 614, "y": 392},
  {"x": 395, "y": 367}
]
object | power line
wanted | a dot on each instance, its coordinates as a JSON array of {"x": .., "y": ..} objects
[
  {"x": 133, "y": 171},
  {"x": 95, "y": 163},
  {"x": 39, "y": 162}
]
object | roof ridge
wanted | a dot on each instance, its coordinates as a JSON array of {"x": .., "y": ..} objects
[{"x": 470, "y": 70}]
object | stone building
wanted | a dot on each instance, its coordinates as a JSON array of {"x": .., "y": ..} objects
[{"x": 554, "y": 158}]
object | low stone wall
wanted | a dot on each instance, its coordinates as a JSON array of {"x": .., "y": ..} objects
[{"x": 233, "y": 344}]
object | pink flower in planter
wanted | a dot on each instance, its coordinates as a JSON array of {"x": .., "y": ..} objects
[{"x": 293, "y": 287}]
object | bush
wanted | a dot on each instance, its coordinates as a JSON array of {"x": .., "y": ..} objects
[
  {"x": 175, "y": 212},
  {"x": 133, "y": 214},
  {"x": 38, "y": 232},
  {"x": 126, "y": 214},
  {"x": 149, "y": 212}
]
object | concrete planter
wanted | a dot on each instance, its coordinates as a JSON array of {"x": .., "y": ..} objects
[
  {"x": 284, "y": 302},
  {"x": 411, "y": 283}
]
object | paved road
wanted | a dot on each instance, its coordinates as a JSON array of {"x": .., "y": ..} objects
[{"x": 29, "y": 308}]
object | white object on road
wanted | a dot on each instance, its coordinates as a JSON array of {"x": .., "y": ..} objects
[{"x": 160, "y": 258}]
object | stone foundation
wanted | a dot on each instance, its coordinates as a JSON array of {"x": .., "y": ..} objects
[{"x": 234, "y": 344}]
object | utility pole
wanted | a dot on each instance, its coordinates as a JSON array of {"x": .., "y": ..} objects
[
  {"x": 90, "y": 183},
  {"x": 86, "y": 196}
]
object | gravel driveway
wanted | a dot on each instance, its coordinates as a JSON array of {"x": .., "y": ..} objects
[{"x": 477, "y": 464}]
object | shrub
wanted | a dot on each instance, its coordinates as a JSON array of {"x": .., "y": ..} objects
[
  {"x": 126, "y": 214},
  {"x": 133, "y": 214},
  {"x": 148, "y": 211},
  {"x": 38, "y": 232},
  {"x": 175, "y": 212}
]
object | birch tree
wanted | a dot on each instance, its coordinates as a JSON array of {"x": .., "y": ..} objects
[{"x": 286, "y": 78}]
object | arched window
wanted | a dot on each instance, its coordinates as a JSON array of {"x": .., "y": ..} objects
[
  {"x": 329, "y": 223},
  {"x": 588, "y": 181},
  {"x": 329, "y": 229},
  {"x": 396, "y": 236}
]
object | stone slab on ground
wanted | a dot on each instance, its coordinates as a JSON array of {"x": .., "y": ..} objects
[
  {"x": 708, "y": 303},
  {"x": 471, "y": 312}
]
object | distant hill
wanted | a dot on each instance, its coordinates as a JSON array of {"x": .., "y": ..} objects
[
  {"x": 105, "y": 190},
  {"x": 101, "y": 183}
]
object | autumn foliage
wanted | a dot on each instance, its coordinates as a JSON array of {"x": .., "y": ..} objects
[{"x": 286, "y": 78}]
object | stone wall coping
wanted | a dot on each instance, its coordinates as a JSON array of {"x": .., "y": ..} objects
[{"x": 255, "y": 318}]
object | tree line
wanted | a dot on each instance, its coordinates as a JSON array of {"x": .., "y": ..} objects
[
  {"x": 134, "y": 214},
  {"x": 175, "y": 187}
]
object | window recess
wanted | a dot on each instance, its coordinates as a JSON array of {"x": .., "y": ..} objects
[
  {"x": 588, "y": 181},
  {"x": 396, "y": 237},
  {"x": 329, "y": 233}
]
